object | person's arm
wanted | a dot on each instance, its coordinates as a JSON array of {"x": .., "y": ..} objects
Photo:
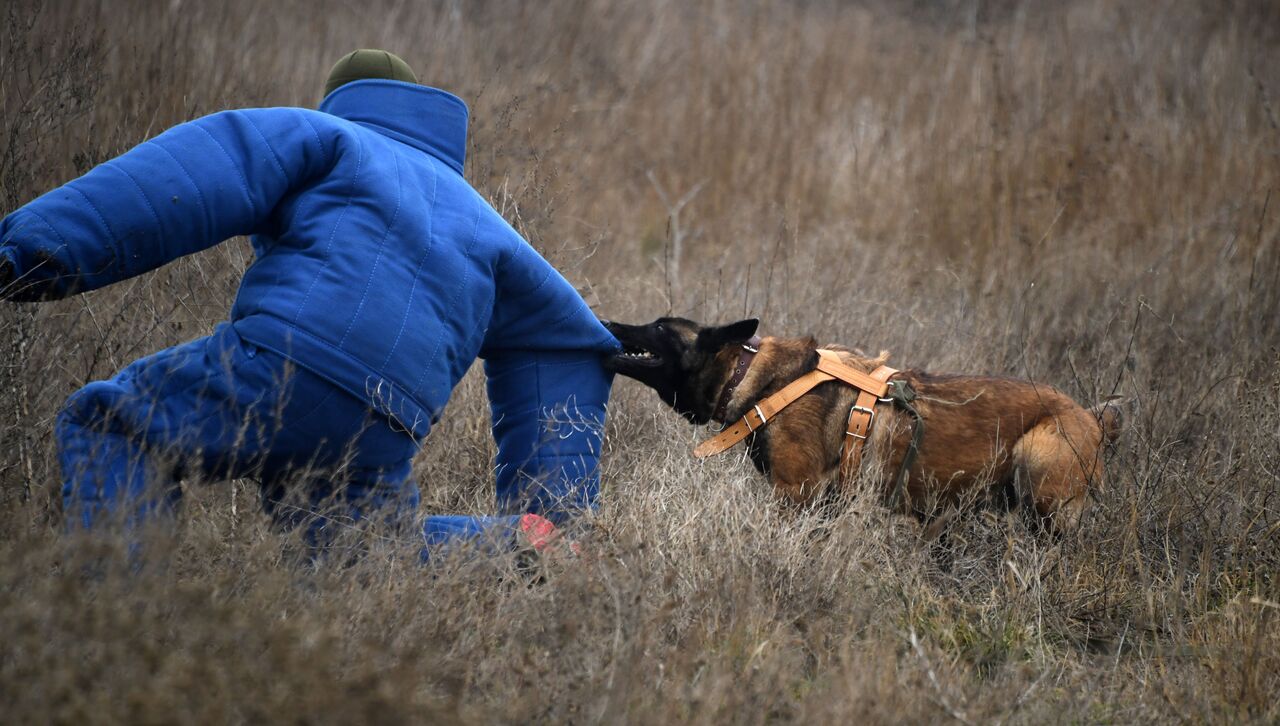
[
  {"x": 548, "y": 421},
  {"x": 547, "y": 388},
  {"x": 187, "y": 189}
]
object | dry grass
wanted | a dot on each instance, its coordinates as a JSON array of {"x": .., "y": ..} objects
[{"x": 1085, "y": 193}]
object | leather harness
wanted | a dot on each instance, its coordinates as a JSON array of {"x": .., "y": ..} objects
[{"x": 870, "y": 387}]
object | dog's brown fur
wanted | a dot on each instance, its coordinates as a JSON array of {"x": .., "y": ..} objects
[{"x": 1009, "y": 434}]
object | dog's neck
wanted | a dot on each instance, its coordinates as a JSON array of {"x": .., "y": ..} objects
[{"x": 745, "y": 356}]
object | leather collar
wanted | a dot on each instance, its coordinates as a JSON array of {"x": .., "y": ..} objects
[{"x": 748, "y": 354}]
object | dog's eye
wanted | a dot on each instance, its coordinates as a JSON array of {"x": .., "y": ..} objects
[{"x": 659, "y": 327}]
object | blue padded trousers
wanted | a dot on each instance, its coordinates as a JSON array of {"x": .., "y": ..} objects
[{"x": 219, "y": 407}]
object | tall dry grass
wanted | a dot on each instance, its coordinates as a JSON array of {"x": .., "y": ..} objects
[{"x": 1083, "y": 193}]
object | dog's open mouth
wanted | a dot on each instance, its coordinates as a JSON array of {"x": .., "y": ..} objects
[{"x": 637, "y": 354}]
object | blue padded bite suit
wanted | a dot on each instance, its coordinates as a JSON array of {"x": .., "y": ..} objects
[{"x": 379, "y": 276}]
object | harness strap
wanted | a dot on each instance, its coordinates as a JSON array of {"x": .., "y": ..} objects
[
  {"x": 861, "y": 415},
  {"x": 903, "y": 395},
  {"x": 760, "y": 414},
  {"x": 874, "y": 383}
]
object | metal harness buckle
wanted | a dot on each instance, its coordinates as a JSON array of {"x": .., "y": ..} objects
[
  {"x": 759, "y": 413},
  {"x": 870, "y": 412}
]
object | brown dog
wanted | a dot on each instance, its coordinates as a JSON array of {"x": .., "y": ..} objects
[{"x": 1024, "y": 440}]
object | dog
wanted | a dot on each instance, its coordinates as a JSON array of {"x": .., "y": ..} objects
[{"x": 1025, "y": 442}]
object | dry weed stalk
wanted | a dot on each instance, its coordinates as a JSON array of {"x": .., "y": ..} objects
[{"x": 1080, "y": 193}]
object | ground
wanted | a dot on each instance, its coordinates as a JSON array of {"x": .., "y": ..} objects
[{"x": 1082, "y": 193}]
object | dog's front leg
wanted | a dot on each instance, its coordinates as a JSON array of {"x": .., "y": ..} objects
[{"x": 796, "y": 472}]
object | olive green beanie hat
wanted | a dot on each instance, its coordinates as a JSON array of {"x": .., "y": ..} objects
[{"x": 365, "y": 63}]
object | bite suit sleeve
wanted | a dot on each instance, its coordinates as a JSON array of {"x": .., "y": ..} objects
[
  {"x": 185, "y": 190},
  {"x": 548, "y": 389}
]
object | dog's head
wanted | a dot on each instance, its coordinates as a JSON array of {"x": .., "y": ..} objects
[{"x": 675, "y": 357}]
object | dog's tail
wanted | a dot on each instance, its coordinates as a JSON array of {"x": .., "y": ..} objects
[{"x": 1110, "y": 415}]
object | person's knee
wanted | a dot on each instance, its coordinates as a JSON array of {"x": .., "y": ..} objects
[
  {"x": 101, "y": 462},
  {"x": 93, "y": 408}
]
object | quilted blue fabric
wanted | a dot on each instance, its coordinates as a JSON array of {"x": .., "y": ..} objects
[{"x": 377, "y": 266}]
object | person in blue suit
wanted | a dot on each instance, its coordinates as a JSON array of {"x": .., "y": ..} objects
[{"x": 379, "y": 276}]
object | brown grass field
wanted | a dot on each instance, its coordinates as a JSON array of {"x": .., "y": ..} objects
[{"x": 1082, "y": 193}]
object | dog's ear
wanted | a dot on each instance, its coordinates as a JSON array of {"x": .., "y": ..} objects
[{"x": 739, "y": 332}]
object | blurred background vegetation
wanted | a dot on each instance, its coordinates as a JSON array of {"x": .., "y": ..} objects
[{"x": 1083, "y": 193}]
